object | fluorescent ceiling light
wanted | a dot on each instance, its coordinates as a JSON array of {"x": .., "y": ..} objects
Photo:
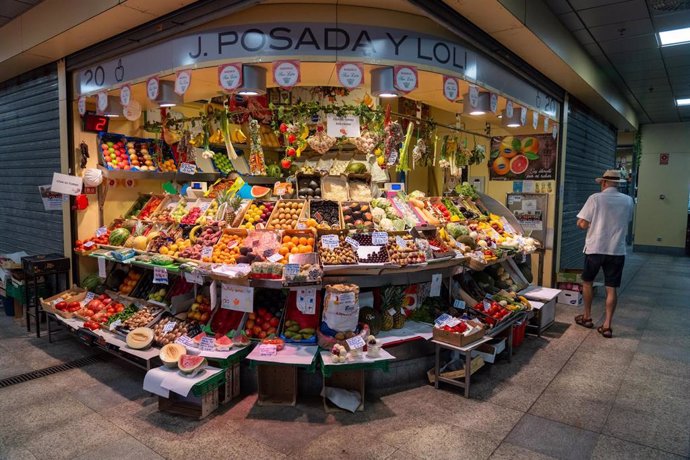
[
  {"x": 675, "y": 37},
  {"x": 681, "y": 102}
]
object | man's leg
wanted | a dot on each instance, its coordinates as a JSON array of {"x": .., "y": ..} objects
[
  {"x": 611, "y": 301},
  {"x": 587, "y": 295}
]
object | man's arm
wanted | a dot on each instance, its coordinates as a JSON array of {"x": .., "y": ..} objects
[
  {"x": 583, "y": 224},
  {"x": 584, "y": 217}
]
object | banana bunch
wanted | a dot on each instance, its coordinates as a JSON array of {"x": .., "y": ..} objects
[{"x": 238, "y": 136}]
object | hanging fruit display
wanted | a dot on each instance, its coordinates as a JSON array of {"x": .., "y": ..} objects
[{"x": 257, "y": 164}]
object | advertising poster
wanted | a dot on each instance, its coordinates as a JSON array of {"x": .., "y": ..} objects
[{"x": 523, "y": 158}]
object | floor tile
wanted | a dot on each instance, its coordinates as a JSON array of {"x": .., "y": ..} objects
[
  {"x": 126, "y": 448},
  {"x": 553, "y": 438},
  {"x": 609, "y": 448},
  {"x": 510, "y": 451}
]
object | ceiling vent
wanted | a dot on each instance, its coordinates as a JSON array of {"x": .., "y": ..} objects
[{"x": 667, "y": 6}]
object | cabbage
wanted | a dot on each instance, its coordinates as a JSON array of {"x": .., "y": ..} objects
[
  {"x": 399, "y": 225},
  {"x": 380, "y": 203},
  {"x": 386, "y": 224},
  {"x": 378, "y": 214},
  {"x": 457, "y": 230}
]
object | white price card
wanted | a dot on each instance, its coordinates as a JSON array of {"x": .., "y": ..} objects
[
  {"x": 275, "y": 257},
  {"x": 267, "y": 349},
  {"x": 184, "y": 341},
  {"x": 187, "y": 168},
  {"x": 379, "y": 238},
  {"x": 330, "y": 241},
  {"x": 194, "y": 277},
  {"x": 436, "y": 280},
  {"x": 125, "y": 95},
  {"x": 459, "y": 304},
  {"x": 183, "y": 79},
  {"x": 101, "y": 267},
  {"x": 352, "y": 242},
  {"x": 306, "y": 300},
  {"x": 392, "y": 311},
  {"x": 355, "y": 342},
  {"x": 160, "y": 275},
  {"x": 152, "y": 87},
  {"x": 290, "y": 271},
  {"x": 89, "y": 297},
  {"x": 207, "y": 344},
  {"x": 239, "y": 298},
  {"x": 442, "y": 320},
  {"x": 301, "y": 226},
  {"x": 206, "y": 252},
  {"x": 169, "y": 326},
  {"x": 114, "y": 324},
  {"x": 400, "y": 242},
  {"x": 101, "y": 231},
  {"x": 89, "y": 244}
]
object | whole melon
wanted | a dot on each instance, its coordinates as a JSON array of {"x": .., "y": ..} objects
[
  {"x": 368, "y": 315},
  {"x": 171, "y": 353},
  {"x": 118, "y": 237},
  {"x": 140, "y": 243}
]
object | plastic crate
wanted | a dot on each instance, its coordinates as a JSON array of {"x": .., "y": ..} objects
[
  {"x": 43, "y": 264},
  {"x": 519, "y": 333},
  {"x": 210, "y": 384}
]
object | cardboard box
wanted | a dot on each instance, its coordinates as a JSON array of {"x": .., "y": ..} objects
[
  {"x": 277, "y": 385},
  {"x": 570, "y": 298},
  {"x": 231, "y": 388},
  {"x": 489, "y": 350},
  {"x": 570, "y": 276},
  {"x": 197, "y": 407},
  {"x": 458, "y": 340}
]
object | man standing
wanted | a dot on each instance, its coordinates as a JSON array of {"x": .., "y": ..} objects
[{"x": 605, "y": 216}]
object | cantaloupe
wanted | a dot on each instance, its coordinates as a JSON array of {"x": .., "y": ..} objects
[
  {"x": 140, "y": 243},
  {"x": 140, "y": 338},
  {"x": 171, "y": 353}
]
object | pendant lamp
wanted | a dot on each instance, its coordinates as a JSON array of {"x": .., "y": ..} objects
[
  {"x": 253, "y": 81},
  {"x": 382, "y": 83},
  {"x": 114, "y": 108},
  {"x": 517, "y": 120},
  {"x": 167, "y": 97},
  {"x": 483, "y": 104}
]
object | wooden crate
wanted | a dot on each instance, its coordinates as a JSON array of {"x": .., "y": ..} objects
[
  {"x": 277, "y": 385},
  {"x": 348, "y": 380},
  {"x": 197, "y": 407},
  {"x": 231, "y": 388}
]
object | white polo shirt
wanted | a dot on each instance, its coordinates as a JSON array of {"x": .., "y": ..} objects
[{"x": 608, "y": 214}]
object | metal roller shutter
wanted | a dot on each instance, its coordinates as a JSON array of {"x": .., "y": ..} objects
[
  {"x": 590, "y": 150},
  {"x": 29, "y": 154}
]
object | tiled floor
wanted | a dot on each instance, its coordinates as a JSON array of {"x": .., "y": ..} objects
[{"x": 570, "y": 394}]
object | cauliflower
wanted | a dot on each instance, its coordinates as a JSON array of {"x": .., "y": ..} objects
[
  {"x": 391, "y": 214},
  {"x": 457, "y": 230},
  {"x": 378, "y": 214},
  {"x": 386, "y": 224}
]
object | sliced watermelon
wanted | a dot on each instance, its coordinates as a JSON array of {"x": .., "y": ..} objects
[
  {"x": 223, "y": 343},
  {"x": 259, "y": 191},
  {"x": 241, "y": 340},
  {"x": 190, "y": 364},
  {"x": 197, "y": 338}
]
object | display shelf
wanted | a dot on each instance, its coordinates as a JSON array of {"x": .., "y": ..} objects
[
  {"x": 290, "y": 355},
  {"x": 362, "y": 363},
  {"x": 260, "y": 180},
  {"x": 156, "y": 175}
]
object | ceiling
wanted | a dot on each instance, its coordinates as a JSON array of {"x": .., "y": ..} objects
[
  {"x": 621, "y": 36},
  {"x": 10, "y": 9}
]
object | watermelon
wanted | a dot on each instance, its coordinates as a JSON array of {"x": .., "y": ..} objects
[
  {"x": 259, "y": 191},
  {"x": 191, "y": 364},
  {"x": 273, "y": 171},
  {"x": 223, "y": 343},
  {"x": 197, "y": 338},
  {"x": 241, "y": 340},
  {"x": 91, "y": 282},
  {"x": 118, "y": 237}
]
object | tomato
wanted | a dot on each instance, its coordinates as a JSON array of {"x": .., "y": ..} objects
[
  {"x": 248, "y": 332},
  {"x": 120, "y": 308},
  {"x": 257, "y": 330},
  {"x": 74, "y": 304},
  {"x": 265, "y": 326},
  {"x": 250, "y": 324},
  {"x": 262, "y": 311},
  {"x": 262, "y": 335},
  {"x": 61, "y": 305},
  {"x": 88, "y": 313},
  {"x": 252, "y": 316},
  {"x": 258, "y": 321},
  {"x": 274, "y": 322}
]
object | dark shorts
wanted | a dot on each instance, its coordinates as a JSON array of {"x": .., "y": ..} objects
[{"x": 612, "y": 265}]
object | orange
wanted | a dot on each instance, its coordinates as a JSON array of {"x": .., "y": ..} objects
[
  {"x": 530, "y": 144},
  {"x": 287, "y": 239},
  {"x": 311, "y": 223},
  {"x": 290, "y": 245},
  {"x": 310, "y": 241},
  {"x": 294, "y": 250},
  {"x": 283, "y": 251},
  {"x": 302, "y": 241},
  {"x": 310, "y": 248},
  {"x": 295, "y": 239},
  {"x": 501, "y": 166}
]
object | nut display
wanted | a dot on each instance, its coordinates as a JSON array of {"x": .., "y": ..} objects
[
  {"x": 404, "y": 255},
  {"x": 343, "y": 254},
  {"x": 326, "y": 213},
  {"x": 142, "y": 318},
  {"x": 357, "y": 215},
  {"x": 160, "y": 337},
  {"x": 285, "y": 215}
]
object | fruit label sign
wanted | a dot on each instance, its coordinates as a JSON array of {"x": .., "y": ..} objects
[
  {"x": 290, "y": 271},
  {"x": 286, "y": 74},
  {"x": 102, "y": 103},
  {"x": 125, "y": 95},
  {"x": 267, "y": 349},
  {"x": 306, "y": 300},
  {"x": 81, "y": 105},
  {"x": 379, "y": 238},
  {"x": 66, "y": 184},
  {"x": 152, "y": 88},
  {"x": 450, "y": 88},
  {"x": 546, "y": 125},
  {"x": 405, "y": 78},
  {"x": 274, "y": 258},
  {"x": 194, "y": 277},
  {"x": 347, "y": 126},
  {"x": 185, "y": 341},
  {"x": 523, "y": 116},
  {"x": 318, "y": 217},
  {"x": 169, "y": 326},
  {"x": 535, "y": 120},
  {"x": 230, "y": 76},
  {"x": 160, "y": 275},
  {"x": 474, "y": 96},
  {"x": 187, "y": 168},
  {"x": 352, "y": 242},
  {"x": 301, "y": 226},
  {"x": 400, "y": 242},
  {"x": 350, "y": 74},
  {"x": 493, "y": 102},
  {"x": 101, "y": 231},
  {"x": 88, "y": 244},
  {"x": 436, "y": 280},
  {"x": 232, "y": 244},
  {"x": 330, "y": 241},
  {"x": 459, "y": 304},
  {"x": 114, "y": 325},
  {"x": 183, "y": 79},
  {"x": 355, "y": 342},
  {"x": 101, "y": 267},
  {"x": 238, "y": 298},
  {"x": 442, "y": 320},
  {"x": 523, "y": 158},
  {"x": 393, "y": 157},
  {"x": 207, "y": 344},
  {"x": 391, "y": 311},
  {"x": 89, "y": 297}
]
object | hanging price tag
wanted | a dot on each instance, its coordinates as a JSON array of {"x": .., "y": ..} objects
[
  {"x": 185, "y": 341},
  {"x": 400, "y": 242},
  {"x": 379, "y": 238},
  {"x": 355, "y": 342},
  {"x": 194, "y": 277},
  {"x": 207, "y": 344},
  {"x": 101, "y": 267},
  {"x": 306, "y": 300},
  {"x": 169, "y": 326},
  {"x": 187, "y": 168},
  {"x": 493, "y": 102},
  {"x": 393, "y": 157},
  {"x": 81, "y": 105},
  {"x": 102, "y": 102},
  {"x": 330, "y": 241},
  {"x": 267, "y": 349},
  {"x": 160, "y": 275},
  {"x": 101, "y": 231},
  {"x": 459, "y": 304},
  {"x": 352, "y": 242},
  {"x": 535, "y": 120},
  {"x": 238, "y": 298},
  {"x": 436, "y": 280}
]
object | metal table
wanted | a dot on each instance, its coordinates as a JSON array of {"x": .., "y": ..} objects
[{"x": 467, "y": 350}]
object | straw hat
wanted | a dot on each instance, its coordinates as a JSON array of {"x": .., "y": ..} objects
[{"x": 611, "y": 175}]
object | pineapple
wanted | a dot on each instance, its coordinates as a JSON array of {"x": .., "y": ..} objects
[{"x": 393, "y": 297}]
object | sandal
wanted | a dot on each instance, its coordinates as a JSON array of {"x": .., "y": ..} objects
[
  {"x": 584, "y": 322},
  {"x": 606, "y": 332}
]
